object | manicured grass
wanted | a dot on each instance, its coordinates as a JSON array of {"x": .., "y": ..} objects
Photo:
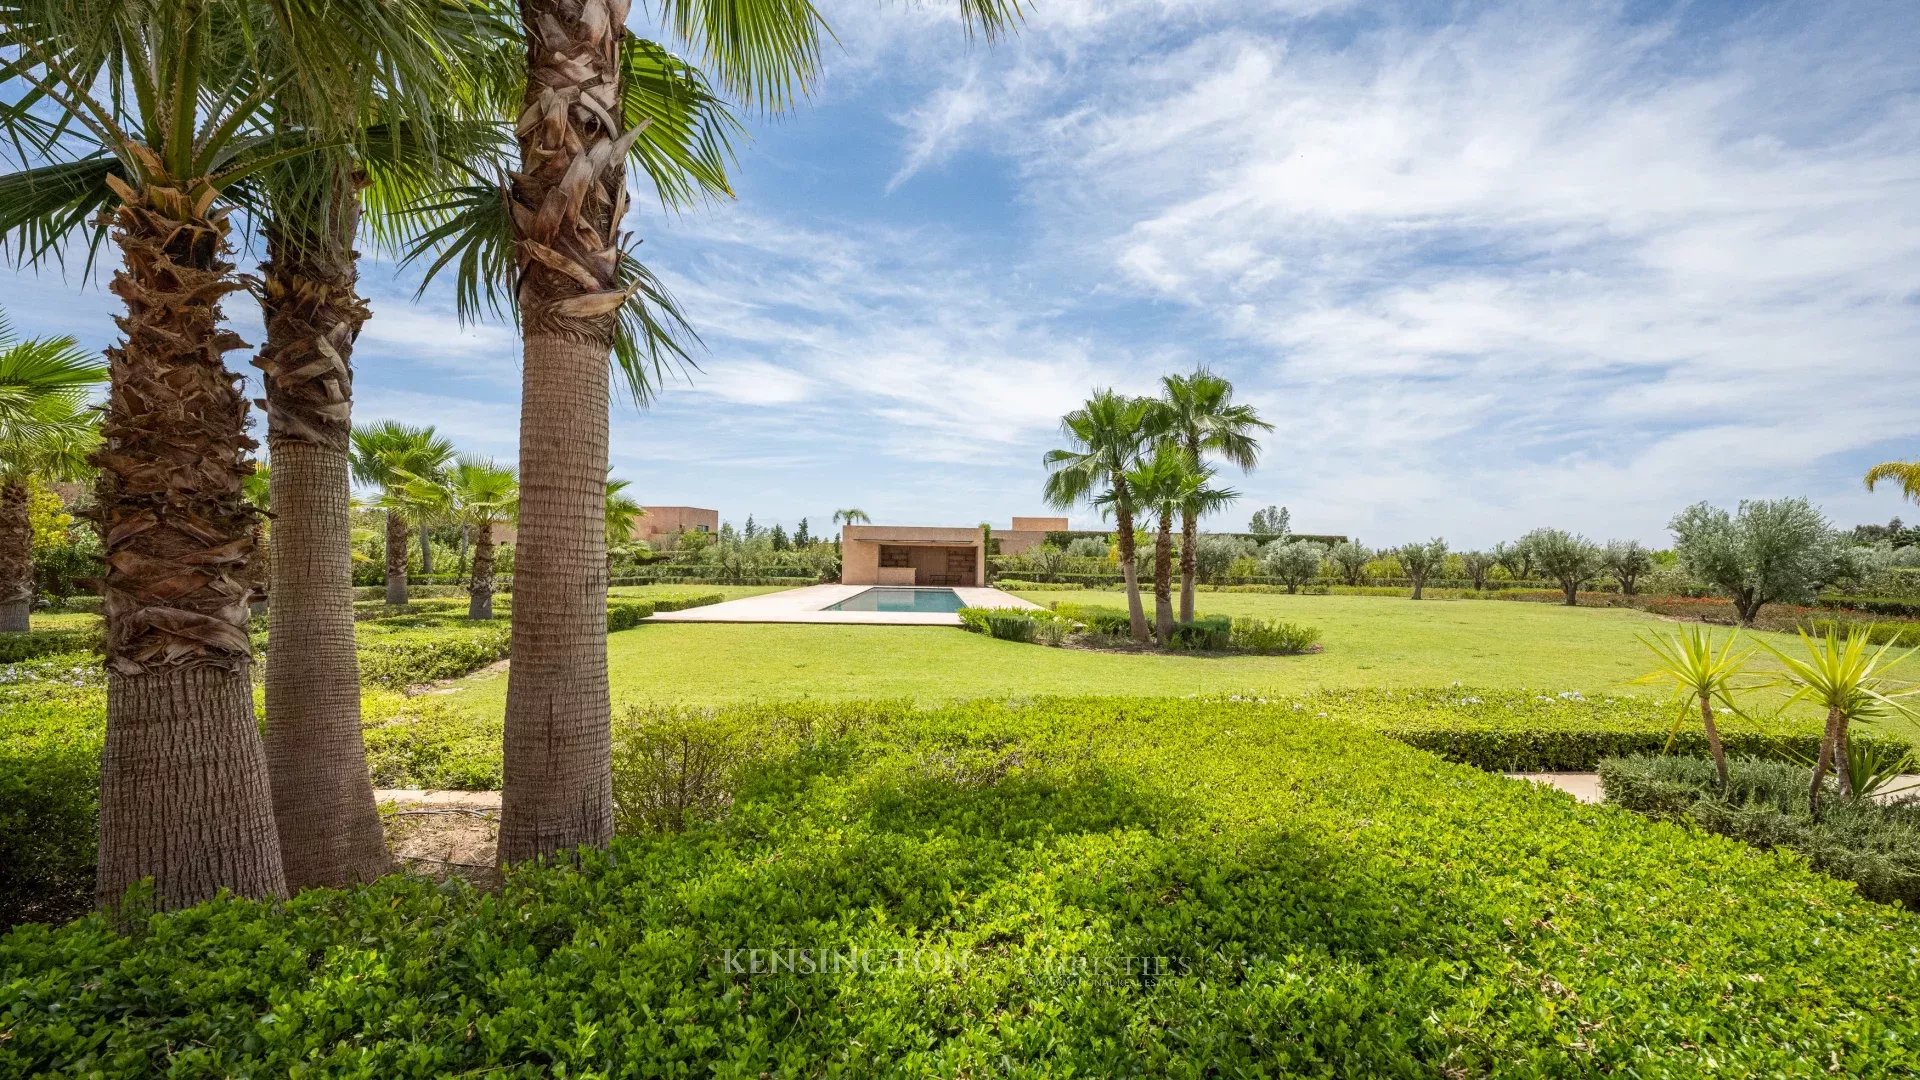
[
  {"x": 1072, "y": 888},
  {"x": 1370, "y": 641}
]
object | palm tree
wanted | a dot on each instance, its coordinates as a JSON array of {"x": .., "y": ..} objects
[
  {"x": 1904, "y": 473},
  {"x": 154, "y": 121},
  {"x": 396, "y": 458},
  {"x": 1198, "y": 413},
  {"x": 591, "y": 96},
  {"x": 1169, "y": 484},
  {"x": 47, "y": 429},
  {"x": 622, "y": 512},
  {"x": 478, "y": 496},
  {"x": 1105, "y": 435},
  {"x": 851, "y": 516}
]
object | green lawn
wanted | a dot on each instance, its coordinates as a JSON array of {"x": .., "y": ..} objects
[{"x": 1370, "y": 641}]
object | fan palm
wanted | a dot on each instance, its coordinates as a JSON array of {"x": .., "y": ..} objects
[
  {"x": 1904, "y": 473},
  {"x": 478, "y": 496},
  {"x": 622, "y": 512},
  {"x": 1197, "y": 412},
  {"x": 147, "y": 123},
  {"x": 47, "y": 429},
  {"x": 1170, "y": 485},
  {"x": 399, "y": 460},
  {"x": 851, "y": 516},
  {"x": 1105, "y": 437},
  {"x": 545, "y": 242}
]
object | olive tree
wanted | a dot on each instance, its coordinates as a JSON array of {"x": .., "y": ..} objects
[
  {"x": 1477, "y": 565},
  {"x": 1214, "y": 556},
  {"x": 1274, "y": 522},
  {"x": 1293, "y": 562},
  {"x": 1568, "y": 558},
  {"x": 1421, "y": 560},
  {"x": 1352, "y": 559},
  {"x": 1626, "y": 560},
  {"x": 1516, "y": 557},
  {"x": 1770, "y": 550}
]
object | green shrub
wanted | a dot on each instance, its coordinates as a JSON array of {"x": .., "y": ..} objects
[
  {"x": 627, "y": 614},
  {"x": 1903, "y": 635},
  {"x": 411, "y": 658},
  {"x": 1274, "y": 636},
  {"x": 1096, "y": 618},
  {"x": 1875, "y": 846},
  {"x": 19, "y": 646},
  {"x": 1017, "y": 585},
  {"x": 1876, "y": 605},
  {"x": 674, "y": 768},
  {"x": 424, "y": 742},
  {"x": 683, "y": 601},
  {"x": 973, "y": 619},
  {"x": 1312, "y": 900},
  {"x": 50, "y": 739},
  {"x": 1206, "y": 633},
  {"x": 1010, "y": 625}
]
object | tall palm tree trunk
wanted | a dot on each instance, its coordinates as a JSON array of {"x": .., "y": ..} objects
[
  {"x": 480, "y": 585},
  {"x": 558, "y": 768},
  {"x": 1189, "y": 561},
  {"x": 396, "y": 558},
  {"x": 183, "y": 778},
  {"x": 323, "y": 803},
  {"x": 1129, "y": 570},
  {"x": 566, "y": 201},
  {"x": 16, "y": 557},
  {"x": 1163, "y": 581},
  {"x": 426, "y": 550}
]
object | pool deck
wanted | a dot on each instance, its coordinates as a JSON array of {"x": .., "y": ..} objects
[{"x": 806, "y": 606}]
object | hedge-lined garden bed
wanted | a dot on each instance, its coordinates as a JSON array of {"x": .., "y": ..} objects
[
  {"x": 1875, "y": 846},
  {"x": 1094, "y": 887}
]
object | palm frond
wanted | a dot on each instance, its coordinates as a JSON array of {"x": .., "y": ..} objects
[
  {"x": 40, "y": 208},
  {"x": 685, "y": 146},
  {"x": 766, "y": 53}
]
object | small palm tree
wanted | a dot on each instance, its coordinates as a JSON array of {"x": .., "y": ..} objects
[
  {"x": 47, "y": 429},
  {"x": 1169, "y": 484},
  {"x": 1197, "y": 412},
  {"x": 400, "y": 460},
  {"x": 622, "y": 512},
  {"x": 851, "y": 516},
  {"x": 1842, "y": 676},
  {"x": 1704, "y": 676},
  {"x": 478, "y": 496},
  {"x": 1105, "y": 436},
  {"x": 1906, "y": 474}
]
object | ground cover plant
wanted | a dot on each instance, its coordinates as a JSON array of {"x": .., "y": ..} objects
[
  {"x": 1765, "y": 804},
  {"x": 1086, "y": 887}
]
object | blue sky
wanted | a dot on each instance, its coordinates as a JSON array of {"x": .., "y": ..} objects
[{"x": 1485, "y": 266}]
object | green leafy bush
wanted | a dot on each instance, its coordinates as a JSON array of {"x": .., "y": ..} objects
[
  {"x": 1903, "y": 635},
  {"x": 1308, "y": 898},
  {"x": 33, "y": 644},
  {"x": 410, "y": 658},
  {"x": 683, "y": 601},
  {"x": 1875, "y": 605},
  {"x": 50, "y": 739},
  {"x": 1206, "y": 633},
  {"x": 1097, "y": 618},
  {"x": 1018, "y": 585},
  {"x": 1275, "y": 636},
  {"x": 627, "y": 614},
  {"x": 1875, "y": 846},
  {"x": 1010, "y": 625},
  {"x": 674, "y": 768},
  {"x": 423, "y": 742}
]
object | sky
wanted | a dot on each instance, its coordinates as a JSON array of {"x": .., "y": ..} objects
[{"x": 1484, "y": 266}]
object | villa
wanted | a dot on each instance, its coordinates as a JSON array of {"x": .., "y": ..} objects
[{"x": 934, "y": 555}]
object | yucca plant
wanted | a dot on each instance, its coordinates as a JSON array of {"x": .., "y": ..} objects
[
  {"x": 1704, "y": 676},
  {"x": 1844, "y": 677}
]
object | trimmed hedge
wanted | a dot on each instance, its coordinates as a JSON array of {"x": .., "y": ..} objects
[
  {"x": 1874, "y": 846},
  {"x": 627, "y": 614},
  {"x": 19, "y": 646},
  {"x": 1068, "y": 887}
]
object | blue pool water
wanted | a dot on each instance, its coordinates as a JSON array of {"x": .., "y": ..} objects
[{"x": 901, "y": 599}]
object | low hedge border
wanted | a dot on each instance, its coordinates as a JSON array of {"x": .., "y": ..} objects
[{"x": 18, "y": 647}]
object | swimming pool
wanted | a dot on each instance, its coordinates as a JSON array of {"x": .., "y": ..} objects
[{"x": 891, "y": 598}]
